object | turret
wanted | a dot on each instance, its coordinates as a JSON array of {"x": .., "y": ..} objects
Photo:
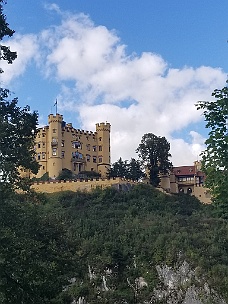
[
  {"x": 103, "y": 141},
  {"x": 54, "y": 145}
]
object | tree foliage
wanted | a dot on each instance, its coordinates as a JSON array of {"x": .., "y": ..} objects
[
  {"x": 17, "y": 127},
  {"x": 36, "y": 255},
  {"x": 154, "y": 154},
  {"x": 5, "y": 53},
  {"x": 126, "y": 169},
  {"x": 17, "y": 134},
  {"x": 215, "y": 157}
]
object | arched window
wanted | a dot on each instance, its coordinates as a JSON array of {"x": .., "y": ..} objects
[{"x": 189, "y": 190}]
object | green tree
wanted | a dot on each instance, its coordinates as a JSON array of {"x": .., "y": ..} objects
[
  {"x": 154, "y": 154},
  {"x": 5, "y": 53},
  {"x": 17, "y": 134},
  {"x": 118, "y": 169},
  {"x": 37, "y": 257},
  {"x": 215, "y": 157},
  {"x": 134, "y": 171},
  {"x": 17, "y": 127},
  {"x": 65, "y": 174}
]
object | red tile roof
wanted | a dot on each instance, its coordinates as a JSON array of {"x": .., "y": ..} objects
[
  {"x": 184, "y": 170},
  {"x": 187, "y": 171}
]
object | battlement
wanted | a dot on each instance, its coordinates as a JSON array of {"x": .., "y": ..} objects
[
  {"x": 79, "y": 184},
  {"x": 55, "y": 118},
  {"x": 103, "y": 126}
]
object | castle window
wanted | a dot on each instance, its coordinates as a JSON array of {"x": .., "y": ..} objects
[
  {"x": 38, "y": 156},
  {"x": 43, "y": 168},
  {"x": 76, "y": 145},
  {"x": 100, "y": 148},
  {"x": 100, "y": 159},
  {"x": 100, "y": 138},
  {"x": 43, "y": 155},
  {"x": 38, "y": 145},
  {"x": 63, "y": 143},
  {"x": 54, "y": 130},
  {"x": 63, "y": 154},
  {"x": 88, "y": 147},
  {"x": 43, "y": 134},
  {"x": 94, "y": 148},
  {"x": 94, "y": 159},
  {"x": 88, "y": 157},
  {"x": 43, "y": 144},
  {"x": 54, "y": 151}
]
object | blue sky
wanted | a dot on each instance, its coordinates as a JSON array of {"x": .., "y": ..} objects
[{"x": 141, "y": 65}]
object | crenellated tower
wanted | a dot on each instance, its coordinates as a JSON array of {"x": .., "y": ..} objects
[
  {"x": 54, "y": 144},
  {"x": 103, "y": 141}
]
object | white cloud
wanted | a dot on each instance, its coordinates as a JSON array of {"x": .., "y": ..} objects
[
  {"x": 137, "y": 94},
  {"x": 26, "y": 47}
]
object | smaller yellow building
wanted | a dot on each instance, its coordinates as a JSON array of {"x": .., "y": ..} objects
[
  {"x": 60, "y": 146},
  {"x": 188, "y": 180}
]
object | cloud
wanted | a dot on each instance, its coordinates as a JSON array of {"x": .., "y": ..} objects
[
  {"x": 26, "y": 47},
  {"x": 136, "y": 93}
]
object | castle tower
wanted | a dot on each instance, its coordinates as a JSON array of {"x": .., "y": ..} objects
[
  {"x": 103, "y": 141},
  {"x": 54, "y": 141}
]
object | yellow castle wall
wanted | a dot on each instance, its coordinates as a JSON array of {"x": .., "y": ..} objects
[
  {"x": 58, "y": 147},
  {"x": 83, "y": 185}
]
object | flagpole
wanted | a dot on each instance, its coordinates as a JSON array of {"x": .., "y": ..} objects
[{"x": 56, "y": 106}]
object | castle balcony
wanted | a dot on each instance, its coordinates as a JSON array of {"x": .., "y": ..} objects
[
  {"x": 54, "y": 143},
  {"x": 78, "y": 160},
  {"x": 185, "y": 183}
]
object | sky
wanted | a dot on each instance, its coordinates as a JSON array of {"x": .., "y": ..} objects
[{"x": 139, "y": 65}]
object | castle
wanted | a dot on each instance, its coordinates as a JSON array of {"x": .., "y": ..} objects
[{"x": 59, "y": 146}]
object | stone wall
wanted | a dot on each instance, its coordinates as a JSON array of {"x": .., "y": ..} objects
[{"x": 82, "y": 184}]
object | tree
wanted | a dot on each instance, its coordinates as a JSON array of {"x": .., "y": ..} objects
[
  {"x": 126, "y": 169},
  {"x": 154, "y": 154},
  {"x": 17, "y": 134},
  {"x": 134, "y": 171},
  {"x": 17, "y": 127},
  {"x": 5, "y": 53},
  {"x": 215, "y": 157},
  {"x": 118, "y": 169}
]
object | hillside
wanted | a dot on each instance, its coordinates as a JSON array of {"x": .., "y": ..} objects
[
  {"x": 123, "y": 237},
  {"x": 108, "y": 246}
]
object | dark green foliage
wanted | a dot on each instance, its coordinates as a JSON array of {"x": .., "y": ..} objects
[
  {"x": 154, "y": 154},
  {"x": 118, "y": 169},
  {"x": 17, "y": 128},
  {"x": 36, "y": 257},
  {"x": 49, "y": 246},
  {"x": 17, "y": 133},
  {"x": 215, "y": 157},
  {"x": 5, "y": 53},
  {"x": 126, "y": 169},
  {"x": 116, "y": 230},
  {"x": 65, "y": 174}
]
